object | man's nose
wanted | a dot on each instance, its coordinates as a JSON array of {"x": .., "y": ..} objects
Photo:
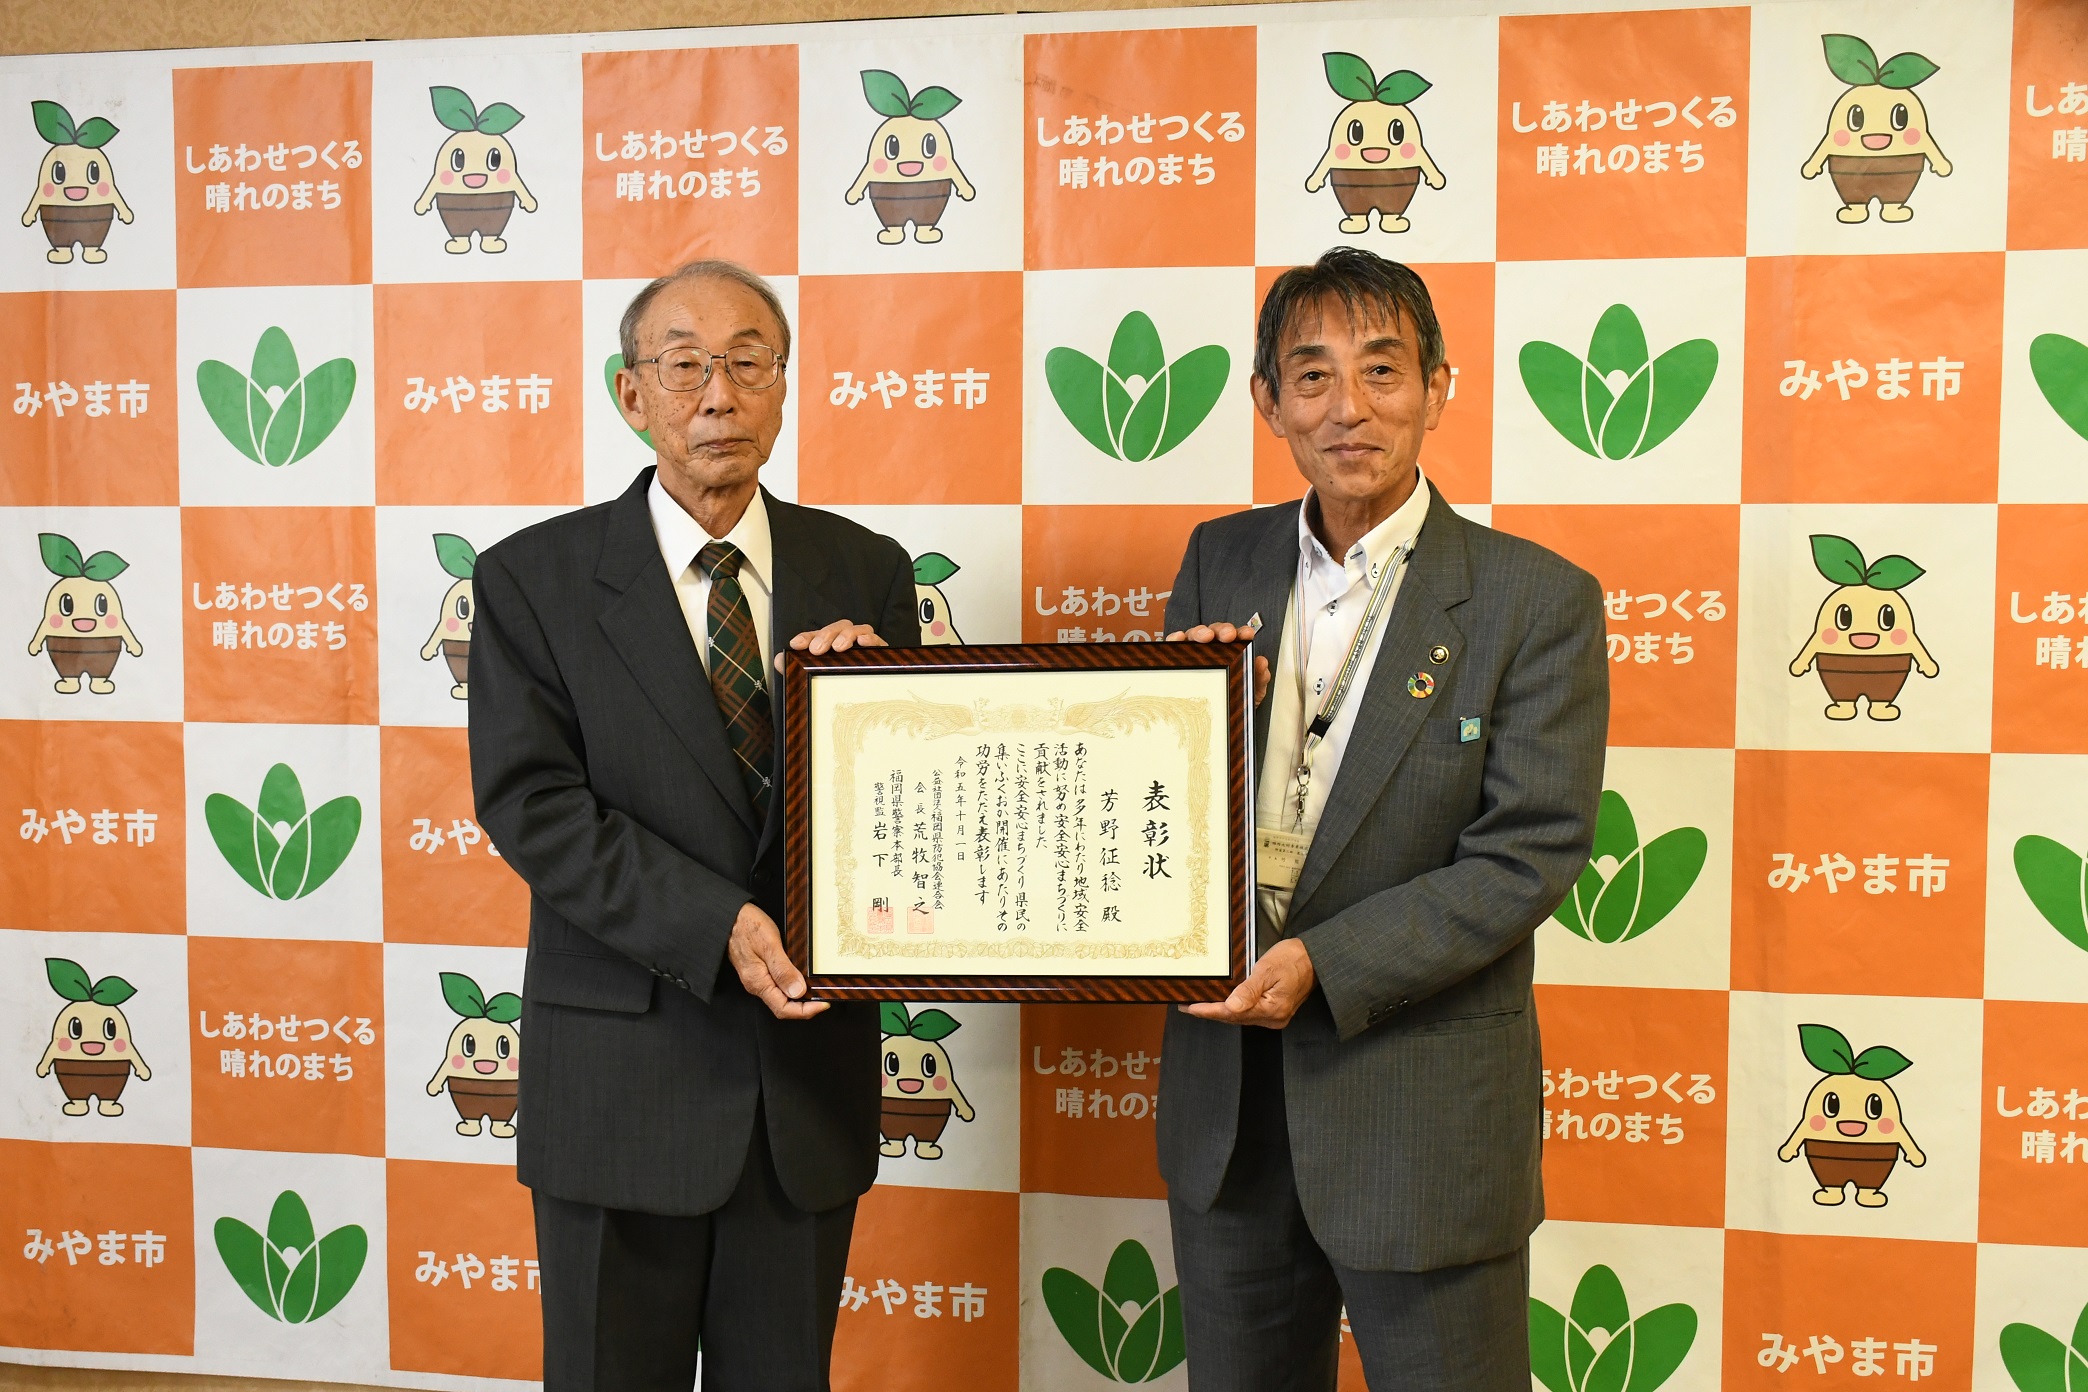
[
  {"x": 720, "y": 395},
  {"x": 1349, "y": 396}
]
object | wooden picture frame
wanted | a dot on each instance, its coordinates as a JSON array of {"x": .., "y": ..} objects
[{"x": 1125, "y": 705}]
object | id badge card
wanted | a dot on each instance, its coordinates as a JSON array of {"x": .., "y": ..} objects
[{"x": 1279, "y": 857}]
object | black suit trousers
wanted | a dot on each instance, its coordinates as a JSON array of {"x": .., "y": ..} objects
[
  {"x": 1262, "y": 1304},
  {"x": 629, "y": 1298}
]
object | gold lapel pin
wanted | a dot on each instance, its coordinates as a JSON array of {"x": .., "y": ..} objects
[{"x": 1439, "y": 654}]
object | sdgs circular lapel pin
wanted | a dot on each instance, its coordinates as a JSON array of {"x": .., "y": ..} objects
[{"x": 1420, "y": 686}]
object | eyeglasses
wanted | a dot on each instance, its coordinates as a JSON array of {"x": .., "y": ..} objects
[{"x": 755, "y": 366}]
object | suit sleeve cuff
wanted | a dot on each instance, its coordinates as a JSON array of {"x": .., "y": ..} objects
[{"x": 1338, "y": 963}]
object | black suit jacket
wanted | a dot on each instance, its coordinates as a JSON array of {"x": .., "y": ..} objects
[{"x": 601, "y": 769}]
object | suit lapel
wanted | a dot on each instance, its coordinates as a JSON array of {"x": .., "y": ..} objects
[
  {"x": 1272, "y": 569},
  {"x": 1389, "y": 717},
  {"x": 796, "y": 605},
  {"x": 645, "y": 624}
]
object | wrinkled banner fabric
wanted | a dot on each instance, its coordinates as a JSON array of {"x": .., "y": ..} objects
[{"x": 1775, "y": 318}]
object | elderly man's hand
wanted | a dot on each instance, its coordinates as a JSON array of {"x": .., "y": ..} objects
[
  {"x": 1272, "y": 992},
  {"x": 765, "y": 969},
  {"x": 1227, "y": 633},
  {"x": 838, "y": 636}
]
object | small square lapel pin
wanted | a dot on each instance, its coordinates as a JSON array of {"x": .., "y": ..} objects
[{"x": 1468, "y": 729}]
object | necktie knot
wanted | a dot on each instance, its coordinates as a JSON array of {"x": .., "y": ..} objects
[{"x": 720, "y": 560}]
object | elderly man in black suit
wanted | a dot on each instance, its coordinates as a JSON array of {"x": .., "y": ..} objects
[{"x": 695, "y": 1132}]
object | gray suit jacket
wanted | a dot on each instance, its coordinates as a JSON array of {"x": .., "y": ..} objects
[
  {"x": 1412, "y": 1071},
  {"x": 601, "y": 770}
]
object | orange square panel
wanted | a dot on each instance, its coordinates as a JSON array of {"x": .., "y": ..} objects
[
  {"x": 1670, "y": 576},
  {"x": 1623, "y": 135},
  {"x": 288, "y": 1045},
  {"x": 2041, "y": 630},
  {"x": 91, "y": 379},
  {"x": 1840, "y": 1311},
  {"x": 272, "y": 175},
  {"x": 1634, "y": 1105},
  {"x": 912, "y": 389},
  {"x": 1458, "y": 456},
  {"x": 930, "y": 1297},
  {"x": 102, "y": 1248},
  {"x": 1090, "y": 1077},
  {"x": 280, "y": 625},
  {"x": 103, "y": 846},
  {"x": 479, "y": 388},
  {"x": 443, "y": 881},
  {"x": 462, "y": 1277},
  {"x": 689, "y": 152},
  {"x": 2033, "y": 1126},
  {"x": 1102, "y": 573},
  {"x": 1873, "y": 379},
  {"x": 1859, "y": 873},
  {"x": 2047, "y": 166},
  {"x": 1138, "y": 148}
]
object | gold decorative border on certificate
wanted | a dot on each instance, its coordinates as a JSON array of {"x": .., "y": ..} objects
[{"x": 1190, "y": 719}]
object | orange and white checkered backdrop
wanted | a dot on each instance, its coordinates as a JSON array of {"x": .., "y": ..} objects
[{"x": 286, "y": 335}]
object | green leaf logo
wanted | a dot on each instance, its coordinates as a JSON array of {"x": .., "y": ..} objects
[
  {"x": 929, "y": 1026},
  {"x": 2060, "y": 366},
  {"x": 291, "y": 1274},
  {"x": 2056, "y": 879},
  {"x": 1828, "y": 1049},
  {"x": 55, "y": 124},
  {"x": 62, "y": 558},
  {"x": 609, "y": 366},
  {"x": 278, "y": 847},
  {"x": 933, "y": 567},
  {"x": 2038, "y": 1362},
  {"x": 1598, "y": 1347},
  {"x": 1618, "y": 402},
  {"x": 1856, "y": 63},
  {"x": 1140, "y": 405},
  {"x": 454, "y": 109},
  {"x": 1351, "y": 78},
  {"x": 1648, "y": 883},
  {"x": 1128, "y": 1331},
  {"x": 465, "y": 997},
  {"x": 274, "y": 415},
  {"x": 71, "y": 980},
  {"x": 888, "y": 97}
]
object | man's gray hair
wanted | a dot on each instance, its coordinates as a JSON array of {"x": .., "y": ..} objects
[
  {"x": 627, "y": 331},
  {"x": 1368, "y": 286}
]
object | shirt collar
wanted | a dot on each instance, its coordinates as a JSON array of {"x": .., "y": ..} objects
[
  {"x": 681, "y": 536},
  {"x": 1381, "y": 542}
]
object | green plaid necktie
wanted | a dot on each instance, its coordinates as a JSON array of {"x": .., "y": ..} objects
[{"x": 735, "y": 673}]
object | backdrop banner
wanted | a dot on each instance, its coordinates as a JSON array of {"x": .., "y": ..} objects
[{"x": 1774, "y": 317}]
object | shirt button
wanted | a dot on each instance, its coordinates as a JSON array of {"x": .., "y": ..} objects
[{"x": 1333, "y": 605}]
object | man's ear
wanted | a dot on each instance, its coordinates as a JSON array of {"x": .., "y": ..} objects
[
  {"x": 1438, "y": 394},
  {"x": 1265, "y": 405},
  {"x": 628, "y": 400}
]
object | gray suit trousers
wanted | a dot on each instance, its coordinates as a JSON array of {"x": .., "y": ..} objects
[{"x": 1262, "y": 1303}]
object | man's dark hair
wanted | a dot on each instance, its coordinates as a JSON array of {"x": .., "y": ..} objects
[{"x": 1370, "y": 289}]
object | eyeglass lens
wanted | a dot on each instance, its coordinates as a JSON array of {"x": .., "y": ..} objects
[{"x": 751, "y": 365}]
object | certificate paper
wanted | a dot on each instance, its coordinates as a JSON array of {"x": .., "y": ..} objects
[{"x": 1038, "y": 824}]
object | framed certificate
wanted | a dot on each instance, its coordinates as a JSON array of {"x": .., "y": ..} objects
[{"x": 1049, "y": 822}]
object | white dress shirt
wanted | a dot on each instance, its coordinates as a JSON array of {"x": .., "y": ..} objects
[
  {"x": 1330, "y": 597},
  {"x": 681, "y": 537}
]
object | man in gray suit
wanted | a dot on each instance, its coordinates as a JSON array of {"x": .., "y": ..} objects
[
  {"x": 695, "y": 1132},
  {"x": 1358, "y": 1124}
]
